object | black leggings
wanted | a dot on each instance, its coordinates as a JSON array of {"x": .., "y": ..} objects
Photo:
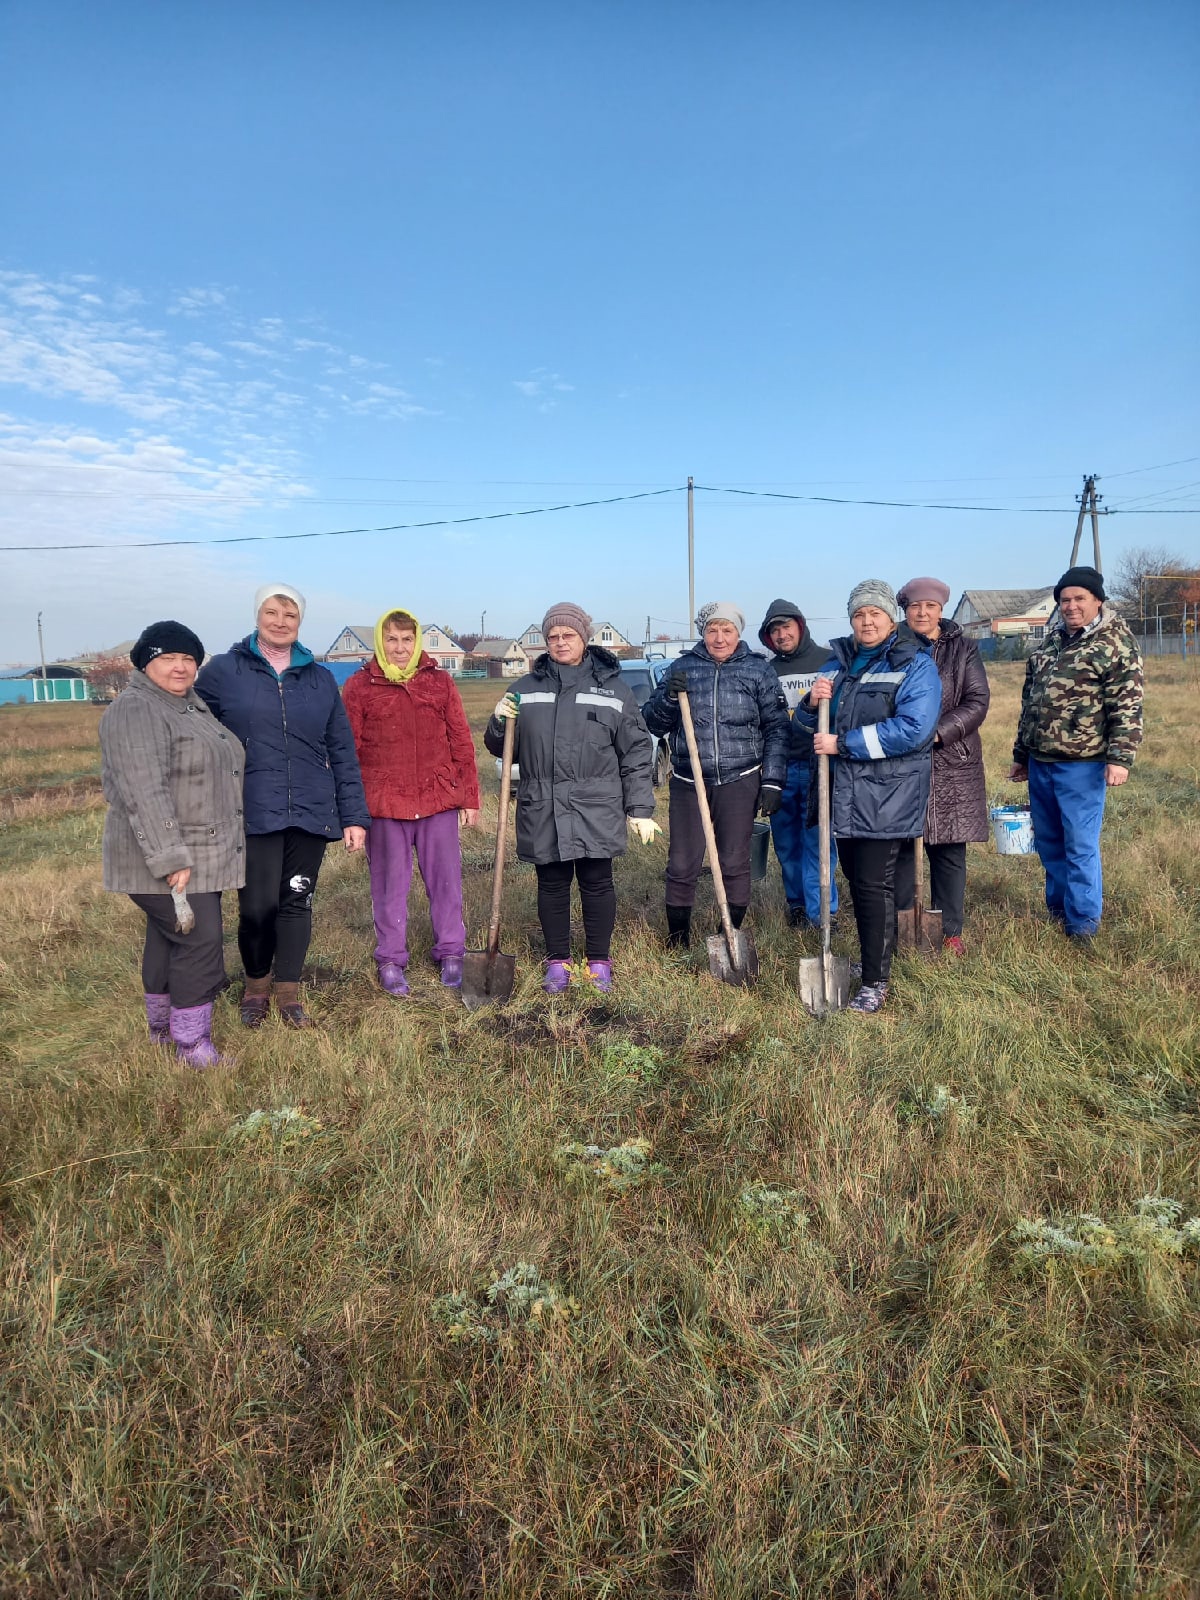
[
  {"x": 947, "y": 881},
  {"x": 870, "y": 868},
  {"x": 276, "y": 904},
  {"x": 597, "y": 896},
  {"x": 190, "y": 967}
]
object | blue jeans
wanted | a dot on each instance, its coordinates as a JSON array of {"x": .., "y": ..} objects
[
  {"x": 1067, "y": 802},
  {"x": 798, "y": 847}
]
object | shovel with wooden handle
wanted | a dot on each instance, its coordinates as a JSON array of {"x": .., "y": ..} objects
[
  {"x": 921, "y": 928},
  {"x": 824, "y": 980},
  {"x": 731, "y": 956},
  {"x": 488, "y": 975}
]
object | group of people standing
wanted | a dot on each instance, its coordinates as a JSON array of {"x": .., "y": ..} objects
[{"x": 236, "y": 774}]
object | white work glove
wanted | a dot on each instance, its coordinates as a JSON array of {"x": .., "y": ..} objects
[
  {"x": 644, "y": 829},
  {"x": 508, "y": 707}
]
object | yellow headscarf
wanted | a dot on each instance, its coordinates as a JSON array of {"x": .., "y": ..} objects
[{"x": 391, "y": 673}]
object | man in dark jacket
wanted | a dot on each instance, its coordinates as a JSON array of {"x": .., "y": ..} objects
[
  {"x": 741, "y": 724},
  {"x": 797, "y": 658}
]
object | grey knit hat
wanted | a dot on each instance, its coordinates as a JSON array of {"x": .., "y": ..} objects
[
  {"x": 720, "y": 611},
  {"x": 873, "y": 592},
  {"x": 566, "y": 615}
]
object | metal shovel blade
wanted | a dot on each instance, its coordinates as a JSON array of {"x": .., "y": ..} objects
[
  {"x": 739, "y": 966},
  {"x": 487, "y": 978},
  {"x": 919, "y": 930},
  {"x": 825, "y": 985}
]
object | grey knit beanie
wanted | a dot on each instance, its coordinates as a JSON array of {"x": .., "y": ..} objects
[
  {"x": 720, "y": 611},
  {"x": 566, "y": 615},
  {"x": 873, "y": 592}
]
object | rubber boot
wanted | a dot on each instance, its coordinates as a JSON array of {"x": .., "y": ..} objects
[
  {"x": 191, "y": 1034},
  {"x": 452, "y": 972},
  {"x": 256, "y": 1002},
  {"x": 679, "y": 927},
  {"x": 737, "y": 915},
  {"x": 600, "y": 976},
  {"x": 558, "y": 977},
  {"x": 287, "y": 1003},
  {"x": 158, "y": 1017},
  {"x": 392, "y": 979}
]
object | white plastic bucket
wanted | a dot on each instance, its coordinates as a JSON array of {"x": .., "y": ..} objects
[{"x": 1012, "y": 829}]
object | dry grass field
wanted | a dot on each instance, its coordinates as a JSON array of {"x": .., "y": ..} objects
[{"x": 679, "y": 1293}]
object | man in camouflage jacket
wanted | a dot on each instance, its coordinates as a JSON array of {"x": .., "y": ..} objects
[{"x": 1080, "y": 727}]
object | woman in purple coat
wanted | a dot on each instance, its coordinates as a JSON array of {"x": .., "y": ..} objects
[{"x": 957, "y": 812}]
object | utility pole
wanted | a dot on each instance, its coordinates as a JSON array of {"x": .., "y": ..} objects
[
  {"x": 1088, "y": 506},
  {"x": 41, "y": 649},
  {"x": 482, "y": 620},
  {"x": 691, "y": 558}
]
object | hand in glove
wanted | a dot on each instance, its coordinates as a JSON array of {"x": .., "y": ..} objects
[
  {"x": 677, "y": 679},
  {"x": 770, "y": 796},
  {"x": 644, "y": 829},
  {"x": 508, "y": 707}
]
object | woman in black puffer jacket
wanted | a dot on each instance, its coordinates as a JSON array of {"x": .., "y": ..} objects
[
  {"x": 742, "y": 736},
  {"x": 957, "y": 813}
]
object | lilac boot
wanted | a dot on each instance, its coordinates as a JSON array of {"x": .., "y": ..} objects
[
  {"x": 451, "y": 972},
  {"x": 600, "y": 976},
  {"x": 158, "y": 1017},
  {"x": 392, "y": 980},
  {"x": 191, "y": 1032},
  {"x": 558, "y": 977}
]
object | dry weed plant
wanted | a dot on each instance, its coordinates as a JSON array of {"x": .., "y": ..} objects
[{"x": 852, "y": 1344}]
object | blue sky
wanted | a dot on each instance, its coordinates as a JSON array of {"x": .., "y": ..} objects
[{"x": 276, "y": 269}]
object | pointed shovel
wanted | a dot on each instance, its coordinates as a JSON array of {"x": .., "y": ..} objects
[
  {"x": 487, "y": 975},
  {"x": 731, "y": 955},
  {"x": 921, "y": 928},
  {"x": 824, "y": 980}
]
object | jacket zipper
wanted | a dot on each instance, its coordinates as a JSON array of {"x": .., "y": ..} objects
[
  {"x": 286, "y": 746},
  {"x": 716, "y": 721}
]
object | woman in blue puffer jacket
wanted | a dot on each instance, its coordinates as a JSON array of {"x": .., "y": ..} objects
[
  {"x": 885, "y": 697},
  {"x": 303, "y": 790},
  {"x": 742, "y": 736}
]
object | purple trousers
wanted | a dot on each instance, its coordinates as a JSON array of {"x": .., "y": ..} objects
[{"x": 390, "y": 846}]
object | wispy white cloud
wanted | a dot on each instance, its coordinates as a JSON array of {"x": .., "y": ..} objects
[{"x": 543, "y": 385}]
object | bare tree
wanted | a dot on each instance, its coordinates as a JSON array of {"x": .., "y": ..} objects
[
  {"x": 107, "y": 676},
  {"x": 1152, "y": 577}
]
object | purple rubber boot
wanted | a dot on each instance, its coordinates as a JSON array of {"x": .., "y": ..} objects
[
  {"x": 451, "y": 972},
  {"x": 392, "y": 980},
  {"x": 191, "y": 1032},
  {"x": 558, "y": 977},
  {"x": 158, "y": 1017},
  {"x": 600, "y": 976}
]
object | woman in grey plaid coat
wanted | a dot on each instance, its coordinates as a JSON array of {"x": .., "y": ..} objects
[{"x": 173, "y": 781}]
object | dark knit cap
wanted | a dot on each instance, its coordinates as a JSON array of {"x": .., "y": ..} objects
[
  {"x": 1081, "y": 578},
  {"x": 166, "y": 639}
]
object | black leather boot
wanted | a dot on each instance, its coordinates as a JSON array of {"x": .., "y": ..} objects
[
  {"x": 679, "y": 927},
  {"x": 737, "y": 915}
]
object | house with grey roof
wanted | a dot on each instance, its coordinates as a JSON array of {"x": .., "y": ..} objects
[{"x": 1004, "y": 613}]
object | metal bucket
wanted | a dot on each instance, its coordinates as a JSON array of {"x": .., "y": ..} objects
[
  {"x": 760, "y": 840},
  {"x": 1012, "y": 829}
]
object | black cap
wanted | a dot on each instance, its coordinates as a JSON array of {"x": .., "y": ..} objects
[
  {"x": 165, "y": 639},
  {"x": 1081, "y": 578}
]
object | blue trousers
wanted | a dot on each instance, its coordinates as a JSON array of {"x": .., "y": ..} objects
[
  {"x": 1067, "y": 802},
  {"x": 798, "y": 847}
]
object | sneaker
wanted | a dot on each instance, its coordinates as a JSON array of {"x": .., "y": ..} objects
[
  {"x": 953, "y": 946},
  {"x": 452, "y": 972},
  {"x": 558, "y": 977},
  {"x": 600, "y": 975},
  {"x": 869, "y": 998},
  {"x": 392, "y": 979}
]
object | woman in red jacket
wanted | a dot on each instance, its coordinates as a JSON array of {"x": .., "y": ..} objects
[{"x": 418, "y": 768}]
